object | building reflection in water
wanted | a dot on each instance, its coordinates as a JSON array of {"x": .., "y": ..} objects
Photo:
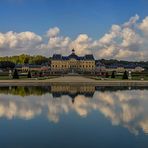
[
  {"x": 119, "y": 104},
  {"x": 73, "y": 90}
]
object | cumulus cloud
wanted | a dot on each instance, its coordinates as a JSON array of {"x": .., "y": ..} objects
[
  {"x": 53, "y": 32},
  {"x": 132, "y": 21},
  {"x": 124, "y": 42},
  {"x": 127, "y": 41},
  {"x": 15, "y": 43},
  {"x": 109, "y": 37},
  {"x": 144, "y": 26},
  {"x": 82, "y": 44}
]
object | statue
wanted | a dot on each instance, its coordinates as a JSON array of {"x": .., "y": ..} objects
[
  {"x": 73, "y": 51},
  {"x": 129, "y": 75},
  {"x": 10, "y": 74}
]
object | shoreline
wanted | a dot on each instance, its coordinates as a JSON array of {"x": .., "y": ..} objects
[{"x": 71, "y": 82}]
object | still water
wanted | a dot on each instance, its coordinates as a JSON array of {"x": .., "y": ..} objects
[{"x": 71, "y": 116}]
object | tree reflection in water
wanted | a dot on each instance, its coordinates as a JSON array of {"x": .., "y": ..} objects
[{"x": 119, "y": 104}]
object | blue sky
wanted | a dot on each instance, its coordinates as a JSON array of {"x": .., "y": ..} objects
[
  {"x": 73, "y": 17},
  {"x": 116, "y": 29}
]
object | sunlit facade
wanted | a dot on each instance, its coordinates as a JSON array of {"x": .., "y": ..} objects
[{"x": 72, "y": 63}]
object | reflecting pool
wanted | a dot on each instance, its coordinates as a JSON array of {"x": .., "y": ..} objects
[{"x": 73, "y": 116}]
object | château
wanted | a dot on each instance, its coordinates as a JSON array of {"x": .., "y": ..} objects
[{"x": 72, "y": 63}]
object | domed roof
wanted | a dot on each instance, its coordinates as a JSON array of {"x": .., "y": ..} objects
[{"x": 73, "y": 55}]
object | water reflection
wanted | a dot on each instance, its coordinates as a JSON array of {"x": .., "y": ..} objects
[{"x": 122, "y": 106}]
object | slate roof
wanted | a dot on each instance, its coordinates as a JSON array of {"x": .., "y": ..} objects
[
  {"x": 35, "y": 66},
  {"x": 57, "y": 57},
  {"x": 89, "y": 57},
  {"x": 73, "y": 56},
  {"x": 18, "y": 66},
  {"x": 116, "y": 65},
  {"x": 65, "y": 58},
  {"x": 99, "y": 64},
  {"x": 30, "y": 65}
]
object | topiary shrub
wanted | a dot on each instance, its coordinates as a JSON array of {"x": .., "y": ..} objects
[
  {"x": 125, "y": 75},
  {"x": 106, "y": 75},
  {"x": 113, "y": 75},
  {"x": 29, "y": 74},
  {"x": 15, "y": 74},
  {"x": 40, "y": 74}
]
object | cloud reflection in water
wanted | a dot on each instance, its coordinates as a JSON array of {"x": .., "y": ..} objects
[{"x": 122, "y": 107}]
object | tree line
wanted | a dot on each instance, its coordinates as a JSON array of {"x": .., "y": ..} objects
[
  {"x": 11, "y": 61},
  {"x": 106, "y": 62}
]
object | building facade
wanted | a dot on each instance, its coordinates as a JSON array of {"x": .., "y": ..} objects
[
  {"x": 72, "y": 63},
  {"x": 26, "y": 67}
]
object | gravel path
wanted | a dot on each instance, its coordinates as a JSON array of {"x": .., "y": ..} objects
[{"x": 71, "y": 80}]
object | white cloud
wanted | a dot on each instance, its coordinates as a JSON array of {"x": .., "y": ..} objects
[
  {"x": 132, "y": 21},
  {"x": 56, "y": 43},
  {"x": 53, "y": 32},
  {"x": 81, "y": 44},
  {"x": 123, "y": 42},
  {"x": 144, "y": 26},
  {"x": 109, "y": 37},
  {"x": 127, "y": 41},
  {"x": 15, "y": 43}
]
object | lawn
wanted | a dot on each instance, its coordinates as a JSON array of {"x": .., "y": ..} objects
[
  {"x": 119, "y": 77},
  {"x": 135, "y": 76}
]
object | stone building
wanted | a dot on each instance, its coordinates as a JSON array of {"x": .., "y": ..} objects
[
  {"x": 72, "y": 63},
  {"x": 27, "y": 67}
]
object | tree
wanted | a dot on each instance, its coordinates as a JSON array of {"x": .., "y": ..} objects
[
  {"x": 15, "y": 74},
  {"x": 29, "y": 74},
  {"x": 106, "y": 75},
  {"x": 35, "y": 74},
  {"x": 7, "y": 64},
  {"x": 113, "y": 75},
  {"x": 125, "y": 75},
  {"x": 39, "y": 59},
  {"x": 25, "y": 59},
  {"x": 40, "y": 75}
]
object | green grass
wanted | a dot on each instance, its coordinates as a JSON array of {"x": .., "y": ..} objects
[
  {"x": 136, "y": 76},
  {"x": 7, "y": 78},
  {"x": 119, "y": 77},
  {"x": 4, "y": 77}
]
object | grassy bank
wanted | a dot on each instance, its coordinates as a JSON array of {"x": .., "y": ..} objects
[{"x": 135, "y": 76}]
